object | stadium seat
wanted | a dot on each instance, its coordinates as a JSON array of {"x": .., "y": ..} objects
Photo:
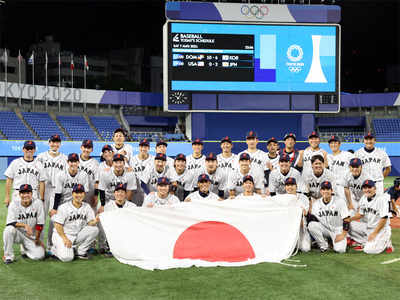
[
  {"x": 77, "y": 128},
  {"x": 13, "y": 127},
  {"x": 105, "y": 126},
  {"x": 43, "y": 125}
]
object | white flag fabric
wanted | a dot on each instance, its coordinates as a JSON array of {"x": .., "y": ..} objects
[{"x": 204, "y": 233}]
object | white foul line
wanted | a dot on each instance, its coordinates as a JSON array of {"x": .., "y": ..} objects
[{"x": 390, "y": 261}]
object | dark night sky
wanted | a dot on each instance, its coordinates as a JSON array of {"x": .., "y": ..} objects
[{"x": 370, "y": 31}]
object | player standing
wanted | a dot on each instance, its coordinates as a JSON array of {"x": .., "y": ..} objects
[
  {"x": 90, "y": 166},
  {"x": 196, "y": 160},
  {"x": 182, "y": 179},
  {"x": 296, "y": 157},
  {"x": 161, "y": 147},
  {"x": 248, "y": 190},
  {"x": 106, "y": 158},
  {"x": 150, "y": 176},
  {"x": 258, "y": 158},
  {"x": 278, "y": 176},
  {"x": 203, "y": 193},
  {"x": 119, "y": 146},
  {"x": 310, "y": 152},
  {"x": 162, "y": 196}
]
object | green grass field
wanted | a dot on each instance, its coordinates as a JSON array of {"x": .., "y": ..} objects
[{"x": 327, "y": 276}]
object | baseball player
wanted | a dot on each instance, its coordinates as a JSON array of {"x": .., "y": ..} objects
[
  {"x": 182, "y": 179},
  {"x": 90, "y": 166},
  {"x": 235, "y": 179},
  {"x": 394, "y": 193},
  {"x": 248, "y": 190},
  {"x": 296, "y": 157},
  {"x": 329, "y": 219},
  {"x": 106, "y": 159},
  {"x": 162, "y": 196},
  {"x": 25, "y": 170},
  {"x": 196, "y": 160},
  {"x": 203, "y": 193},
  {"x": 161, "y": 147},
  {"x": 150, "y": 176},
  {"x": 311, "y": 151},
  {"x": 119, "y": 146},
  {"x": 227, "y": 161},
  {"x": 376, "y": 162},
  {"x": 25, "y": 220},
  {"x": 373, "y": 232},
  {"x": 291, "y": 189},
  {"x": 279, "y": 175},
  {"x": 75, "y": 226},
  {"x": 272, "y": 160},
  {"x": 258, "y": 158},
  {"x": 338, "y": 162}
]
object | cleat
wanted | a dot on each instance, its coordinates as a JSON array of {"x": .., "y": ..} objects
[
  {"x": 108, "y": 254},
  {"x": 83, "y": 256},
  {"x": 323, "y": 250},
  {"x": 358, "y": 248},
  {"x": 7, "y": 260},
  {"x": 351, "y": 242},
  {"x": 390, "y": 248}
]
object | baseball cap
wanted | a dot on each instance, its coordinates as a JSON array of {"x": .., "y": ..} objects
[
  {"x": 161, "y": 142},
  {"x": 78, "y": 188},
  {"x": 29, "y": 145},
  {"x": 369, "y": 135},
  {"x": 226, "y": 139},
  {"x": 118, "y": 157},
  {"x": 326, "y": 185},
  {"x": 197, "y": 141},
  {"x": 284, "y": 157},
  {"x": 203, "y": 177},
  {"x": 163, "y": 181},
  {"x": 73, "y": 157},
  {"x": 119, "y": 130},
  {"x": 355, "y": 162},
  {"x": 334, "y": 138},
  {"x": 161, "y": 156},
  {"x": 396, "y": 181},
  {"x": 313, "y": 134},
  {"x": 87, "y": 143},
  {"x": 144, "y": 142},
  {"x": 24, "y": 188},
  {"x": 290, "y": 180},
  {"x": 272, "y": 140},
  {"x": 211, "y": 156},
  {"x": 106, "y": 148},
  {"x": 289, "y": 135},
  {"x": 251, "y": 135},
  {"x": 369, "y": 183},
  {"x": 248, "y": 177},
  {"x": 55, "y": 138},
  {"x": 244, "y": 156},
  {"x": 180, "y": 156},
  {"x": 120, "y": 186}
]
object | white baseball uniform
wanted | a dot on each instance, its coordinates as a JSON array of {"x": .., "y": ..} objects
[
  {"x": 75, "y": 224},
  {"x": 339, "y": 166},
  {"x": 373, "y": 211},
  {"x": 139, "y": 166},
  {"x": 355, "y": 187},
  {"x": 32, "y": 215},
  {"x": 235, "y": 180},
  {"x": 154, "y": 199},
  {"x": 195, "y": 163},
  {"x": 109, "y": 180},
  {"x": 258, "y": 159},
  {"x": 91, "y": 168},
  {"x": 126, "y": 150},
  {"x": 307, "y": 156},
  {"x": 196, "y": 196},
  {"x": 227, "y": 164},
  {"x": 185, "y": 182},
  {"x": 151, "y": 175},
  {"x": 218, "y": 180},
  {"x": 112, "y": 205},
  {"x": 312, "y": 183},
  {"x": 304, "y": 238},
  {"x": 277, "y": 180},
  {"x": 330, "y": 223},
  {"x": 274, "y": 161},
  {"x": 65, "y": 183}
]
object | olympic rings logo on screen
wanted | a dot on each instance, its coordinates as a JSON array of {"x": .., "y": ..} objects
[
  {"x": 258, "y": 11},
  {"x": 297, "y": 50},
  {"x": 294, "y": 69}
]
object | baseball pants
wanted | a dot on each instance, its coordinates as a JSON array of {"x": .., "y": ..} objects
[
  {"x": 304, "y": 240},
  {"x": 359, "y": 232},
  {"x": 48, "y": 205},
  {"x": 320, "y": 233},
  {"x": 81, "y": 242},
  {"x": 12, "y": 235}
]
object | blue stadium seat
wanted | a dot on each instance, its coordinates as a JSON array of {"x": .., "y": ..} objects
[
  {"x": 43, "y": 125},
  {"x": 13, "y": 127},
  {"x": 77, "y": 128},
  {"x": 105, "y": 126}
]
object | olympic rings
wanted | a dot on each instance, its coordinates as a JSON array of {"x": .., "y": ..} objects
[
  {"x": 254, "y": 11},
  {"x": 294, "y": 69}
]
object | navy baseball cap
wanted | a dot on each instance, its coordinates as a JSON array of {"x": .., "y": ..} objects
[
  {"x": 226, "y": 139},
  {"x": 326, "y": 185},
  {"x": 334, "y": 138},
  {"x": 251, "y": 135},
  {"x": 368, "y": 183},
  {"x": 55, "y": 138},
  {"x": 285, "y": 158},
  {"x": 244, "y": 156},
  {"x": 161, "y": 142},
  {"x": 163, "y": 181},
  {"x": 197, "y": 141},
  {"x": 161, "y": 156},
  {"x": 272, "y": 140},
  {"x": 107, "y": 148},
  {"x": 248, "y": 177},
  {"x": 78, "y": 188},
  {"x": 369, "y": 135},
  {"x": 313, "y": 134},
  {"x": 118, "y": 157},
  {"x": 180, "y": 156},
  {"x": 355, "y": 162},
  {"x": 289, "y": 135},
  {"x": 290, "y": 180},
  {"x": 203, "y": 177},
  {"x": 87, "y": 143},
  {"x": 73, "y": 157},
  {"x": 211, "y": 156},
  {"x": 29, "y": 145},
  {"x": 25, "y": 188},
  {"x": 120, "y": 186},
  {"x": 144, "y": 142}
]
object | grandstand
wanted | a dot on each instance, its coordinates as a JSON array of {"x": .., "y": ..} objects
[
  {"x": 43, "y": 125},
  {"x": 12, "y": 128}
]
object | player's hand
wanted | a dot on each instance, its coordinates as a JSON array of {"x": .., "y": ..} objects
[
  {"x": 52, "y": 212},
  {"x": 101, "y": 209},
  {"x": 123, "y": 153},
  {"x": 372, "y": 236},
  {"x": 150, "y": 205},
  {"x": 29, "y": 230},
  {"x": 97, "y": 219},
  {"x": 339, "y": 237},
  {"x": 129, "y": 169},
  {"x": 67, "y": 242},
  {"x": 38, "y": 242},
  {"x": 7, "y": 201}
]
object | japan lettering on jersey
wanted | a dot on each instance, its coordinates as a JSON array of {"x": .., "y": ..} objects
[
  {"x": 196, "y": 196},
  {"x": 150, "y": 177},
  {"x": 307, "y": 156},
  {"x": 112, "y": 205},
  {"x": 91, "y": 168},
  {"x": 354, "y": 185},
  {"x": 258, "y": 159},
  {"x": 273, "y": 161},
  {"x": 339, "y": 164},
  {"x": 125, "y": 150},
  {"x": 72, "y": 218},
  {"x": 139, "y": 166},
  {"x": 294, "y": 156},
  {"x": 25, "y": 172},
  {"x": 227, "y": 164},
  {"x": 331, "y": 215},
  {"x": 312, "y": 183},
  {"x": 52, "y": 166},
  {"x": 32, "y": 215},
  {"x": 235, "y": 180},
  {"x": 277, "y": 180},
  {"x": 195, "y": 163},
  {"x": 376, "y": 209},
  {"x": 157, "y": 201},
  {"x": 109, "y": 180},
  {"x": 185, "y": 181},
  {"x": 374, "y": 162},
  {"x": 218, "y": 180},
  {"x": 65, "y": 183}
]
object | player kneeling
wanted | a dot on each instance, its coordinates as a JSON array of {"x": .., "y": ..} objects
[
  {"x": 25, "y": 220},
  {"x": 373, "y": 232},
  {"x": 162, "y": 196},
  {"x": 204, "y": 193},
  {"x": 74, "y": 226},
  {"x": 329, "y": 220}
]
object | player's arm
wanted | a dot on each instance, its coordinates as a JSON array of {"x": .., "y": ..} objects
[
  {"x": 386, "y": 171},
  {"x": 94, "y": 220},
  {"x": 346, "y": 228},
  {"x": 356, "y": 217},
  {"x": 42, "y": 188},
  {"x": 9, "y": 183},
  {"x": 26, "y": 227},
  {"x": 300, "y": 160},
  {"x": 326, "y": 163},
  {"x": 60, "y": 230},
  {"x": 348, "y": 198},
  {"x": 378, "y": 228}
]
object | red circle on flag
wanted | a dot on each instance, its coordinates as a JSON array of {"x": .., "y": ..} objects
[{"x": 213, "y": 241}]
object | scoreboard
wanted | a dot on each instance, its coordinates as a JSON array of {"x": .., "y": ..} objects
[{"x": 207, "y": 63}]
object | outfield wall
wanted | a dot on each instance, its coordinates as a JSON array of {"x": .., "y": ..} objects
[{"x": 9, "y": 150}]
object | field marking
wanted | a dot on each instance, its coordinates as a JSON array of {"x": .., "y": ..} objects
[{"x": 390, "y": 261}]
